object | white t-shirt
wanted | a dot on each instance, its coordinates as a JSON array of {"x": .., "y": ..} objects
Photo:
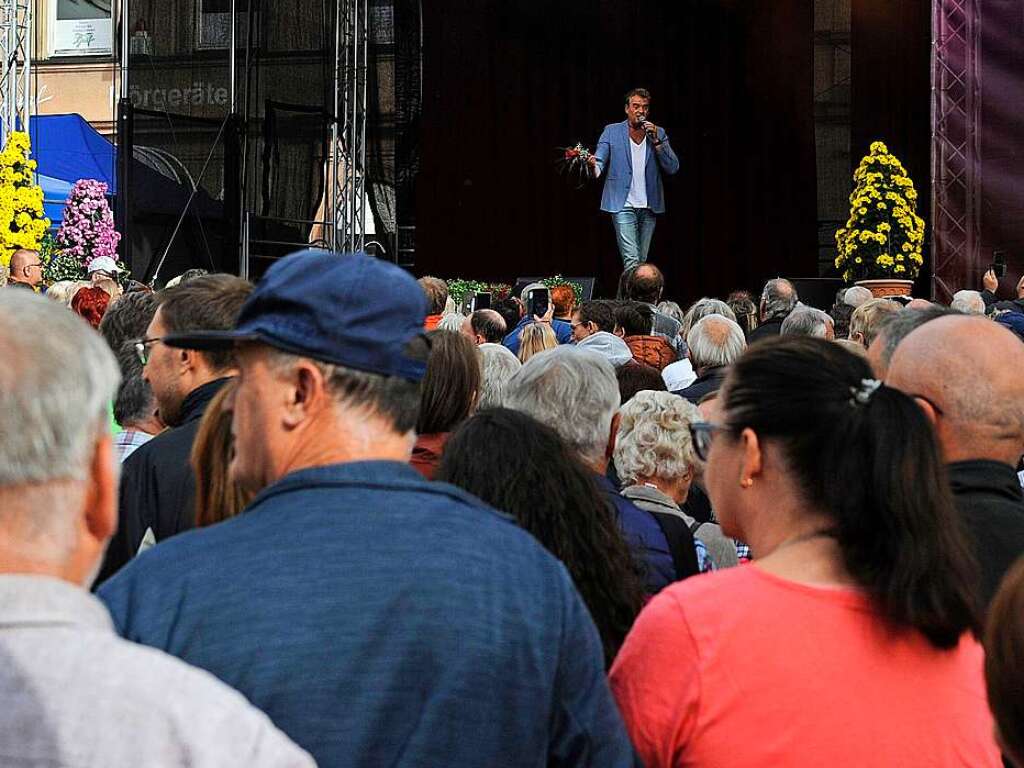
[{"x": 637, "y": 197}]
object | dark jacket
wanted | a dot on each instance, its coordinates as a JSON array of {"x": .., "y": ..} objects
[
  {"x": 709, "y": 381},
  {"x": 1012, "y": 320},
  {"x": 647, "y": 537},
  {"x": 1015, "y": 305},
  {"x": 766, "y": 330},
  {"x": 721, "y": 548},
  {"x": 989, "y": 498},
  {"x": 380, "y": 619},
  {"x": 157, "y": 484}
]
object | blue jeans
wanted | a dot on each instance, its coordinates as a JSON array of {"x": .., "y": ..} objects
[{"x": 634, "y": 228}]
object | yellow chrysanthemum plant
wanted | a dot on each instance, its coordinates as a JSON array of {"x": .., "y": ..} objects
[
  {"x": 884, "y": 235},
  {"x": 22, "y": 222}
]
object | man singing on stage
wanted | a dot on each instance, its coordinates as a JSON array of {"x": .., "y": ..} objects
[{"x": 639, "y": 153}]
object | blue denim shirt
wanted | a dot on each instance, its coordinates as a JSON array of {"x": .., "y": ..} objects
[{"x": 383, "y": 620}]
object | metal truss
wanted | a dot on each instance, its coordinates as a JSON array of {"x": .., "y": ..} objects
[
  {"x": 348, "y": 127},
  {"x": 16, "y": 49},
  {"x": 956, "y": 157}
]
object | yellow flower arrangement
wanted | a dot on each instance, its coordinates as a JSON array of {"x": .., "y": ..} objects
[
  {"x": 883, "y": 239},
  {"x": 22, "y": 223}
]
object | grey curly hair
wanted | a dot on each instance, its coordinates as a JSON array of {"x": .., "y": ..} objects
[{"x": 654, "y": 436}]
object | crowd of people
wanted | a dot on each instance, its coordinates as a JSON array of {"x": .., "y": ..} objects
[{"x": 332, "y": 519}]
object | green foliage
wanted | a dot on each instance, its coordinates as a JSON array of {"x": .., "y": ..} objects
[{"x": 577, "y": 289}]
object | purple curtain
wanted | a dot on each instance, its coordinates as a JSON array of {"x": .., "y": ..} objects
[{"x": 978, "y": 72}]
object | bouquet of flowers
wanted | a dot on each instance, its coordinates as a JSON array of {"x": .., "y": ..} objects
[
  {"x": 574, "y": 164},
  {"x": 884, "y": 235}
]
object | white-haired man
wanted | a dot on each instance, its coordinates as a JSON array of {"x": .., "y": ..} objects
[
  {"x": 968, "y": 302},
  {"x": 715, "y": 343},
  {"x": 73, "y": 692},
  {"x": 857, "y": 295},
  {"x": 808, "y": 321},
  {"x": 778, "y": 299}
]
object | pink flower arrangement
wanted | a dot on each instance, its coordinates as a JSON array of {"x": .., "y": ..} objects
[{"x": 87, "y": 231}]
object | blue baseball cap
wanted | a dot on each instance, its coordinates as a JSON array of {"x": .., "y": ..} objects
[{"x": 350, "y": 309}]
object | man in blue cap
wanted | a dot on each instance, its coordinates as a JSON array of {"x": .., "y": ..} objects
[{"x": 377, "y": 618}]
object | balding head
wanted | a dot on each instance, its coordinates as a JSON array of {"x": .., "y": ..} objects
[
  {"x": 894, "y": 329},
  {"x": 778, "y": 299},
  {"x": 965, "y": 372},
  {"x": 26, "y": 267},
  {"x": 714, "y": 342},
  {"x": 485, "y": 326},
  {"x": 645, "y": 284}
]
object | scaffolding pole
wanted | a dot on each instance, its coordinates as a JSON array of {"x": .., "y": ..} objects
[
  {"x": 348, "y": 128},
  {"x": 15, "y": 78},
  {"x": 956, "y": 151}
]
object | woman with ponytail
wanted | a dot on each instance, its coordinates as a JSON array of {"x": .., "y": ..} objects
[{"x": 851, "y": 638}]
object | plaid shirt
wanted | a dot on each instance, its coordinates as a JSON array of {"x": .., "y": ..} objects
[
  {"x": 704, "y": 561},
  {"x": 128, "y": 440}
]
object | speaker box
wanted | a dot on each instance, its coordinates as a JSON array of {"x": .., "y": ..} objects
[{"x": 818, "y": 292}]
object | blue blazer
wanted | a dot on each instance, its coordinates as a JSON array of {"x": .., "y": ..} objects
[{"x": 616, "y": 165}]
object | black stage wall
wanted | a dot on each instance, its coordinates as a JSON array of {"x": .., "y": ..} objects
[
  {"x": 891, "y": 79},
  {"x": 506, "y": 81}
]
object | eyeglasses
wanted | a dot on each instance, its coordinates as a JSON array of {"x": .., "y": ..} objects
[
  {"x": 701, "y": 433},
  {"x": 142, "y": 348}
]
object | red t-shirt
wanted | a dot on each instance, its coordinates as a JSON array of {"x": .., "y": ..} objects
[{"x": 742, "y": 668}]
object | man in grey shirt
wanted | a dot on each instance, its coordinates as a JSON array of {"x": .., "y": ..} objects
[{"x": 74, "y": 694}]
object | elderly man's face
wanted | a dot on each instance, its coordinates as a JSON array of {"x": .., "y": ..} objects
[{"x": 256, "y": 406}]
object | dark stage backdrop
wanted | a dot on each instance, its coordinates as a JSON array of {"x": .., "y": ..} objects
[
  {"x": 506, "y": 81},
  {"x": 891, "y": 81}
]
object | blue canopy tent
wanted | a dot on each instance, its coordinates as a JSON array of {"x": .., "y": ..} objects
[{"x": 67, "y": 149}]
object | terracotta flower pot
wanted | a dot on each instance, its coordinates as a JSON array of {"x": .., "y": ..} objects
[{"x": 884, "y": 288}]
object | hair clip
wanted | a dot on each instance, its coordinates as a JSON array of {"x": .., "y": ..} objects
[{"x": 862, "y": 395}]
